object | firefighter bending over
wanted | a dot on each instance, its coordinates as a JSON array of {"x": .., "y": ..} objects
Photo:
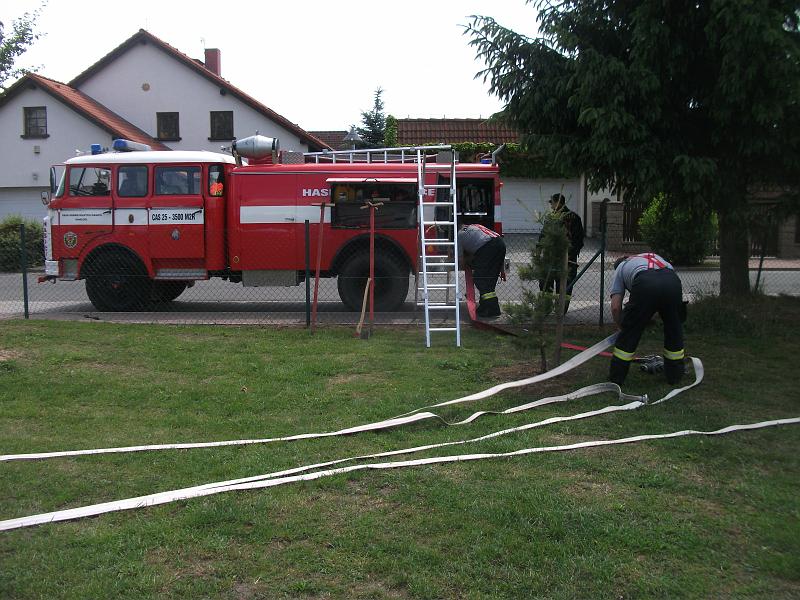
[
  {"x": 483, "y": 251},
  {"x": 654, "y": 288}
]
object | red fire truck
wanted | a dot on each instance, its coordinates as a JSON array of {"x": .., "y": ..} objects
[{"x": 141, "y": 226}]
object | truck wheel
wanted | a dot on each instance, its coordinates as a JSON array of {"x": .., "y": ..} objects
[
  {"x": 167, "y": 291},
  {"x": 118, "y": 283},
  {"x": 391, "y": 281}
]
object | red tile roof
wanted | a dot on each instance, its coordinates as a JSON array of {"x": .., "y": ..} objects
[
  {"x": 411, "y": 132},
  {"x": 85, "y": 106},
  {"x": 334, "y": 139},
  {"x": 145, "y": 37}
]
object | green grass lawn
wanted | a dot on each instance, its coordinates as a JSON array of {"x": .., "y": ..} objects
[{"x": 694, "y": 517}]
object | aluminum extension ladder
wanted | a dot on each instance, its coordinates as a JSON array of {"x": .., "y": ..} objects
[{"x": 437, "y": 273}]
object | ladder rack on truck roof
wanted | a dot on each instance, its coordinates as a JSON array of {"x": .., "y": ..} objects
[{"x": 405, "y": 154}]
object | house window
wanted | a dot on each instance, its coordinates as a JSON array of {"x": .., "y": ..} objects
[
  {"x": 221, "y": 125},
  {"x": 35, "y": 125},
  {"x": 167, "y": 126}
]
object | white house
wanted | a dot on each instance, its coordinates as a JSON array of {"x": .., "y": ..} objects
[{"x": 144, "y": 90}]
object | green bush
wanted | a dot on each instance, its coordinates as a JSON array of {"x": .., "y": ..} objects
[
  {"x": 684, "y": 236},
  {"x": 10, "y": 243}
]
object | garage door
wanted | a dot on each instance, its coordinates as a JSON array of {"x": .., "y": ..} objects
[{"x": 523, "y": 200}]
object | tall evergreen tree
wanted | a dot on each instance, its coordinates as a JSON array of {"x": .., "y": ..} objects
[
  {"x": 374, "y": 122},
  {"x": 13, "y": 44},
  {"x": 695, "y": 99}
]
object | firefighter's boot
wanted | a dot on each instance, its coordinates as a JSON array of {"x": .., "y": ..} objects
[
  {"x": 489, "y": 306},
  {"x": 674, "y": 371},
  {"x": 618, "y": 370}
]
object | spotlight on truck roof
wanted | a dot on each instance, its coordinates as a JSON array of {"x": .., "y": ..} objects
[
  {"x": 121, "y": 145},
  {"x": 256, "y": 147}
]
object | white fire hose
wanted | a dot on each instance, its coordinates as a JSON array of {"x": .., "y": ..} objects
[{"x": 319, "y": 470}]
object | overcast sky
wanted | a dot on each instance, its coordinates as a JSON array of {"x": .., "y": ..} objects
[{"x": 316, "y": 62}]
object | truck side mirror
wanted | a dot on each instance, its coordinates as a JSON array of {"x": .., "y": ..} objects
[
  {"x": 53, "y": 180},
  {"x": 45, "y": 198}
]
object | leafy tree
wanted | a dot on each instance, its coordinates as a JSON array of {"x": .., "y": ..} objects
[
  {"x": 682, "y": 235},
  {"x": 374, "y": 121},
  {"x": 390, "y": 137},
  {"x": 15, "y": 43},
  {"x": 695, "y": 99}
]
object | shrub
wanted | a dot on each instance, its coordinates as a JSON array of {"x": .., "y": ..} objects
[
  {"x": 9, "y": 243},
  {"x": 682, "y": 235}
]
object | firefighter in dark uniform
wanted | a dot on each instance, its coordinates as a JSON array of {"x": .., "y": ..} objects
[
  {"x": 483, "y": 251},
  {"x": 654, "y": 288},
  {"x": 574, "y": 228}
]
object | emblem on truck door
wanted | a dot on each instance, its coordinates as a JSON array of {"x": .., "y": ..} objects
[{"x": 70, "y": 239}]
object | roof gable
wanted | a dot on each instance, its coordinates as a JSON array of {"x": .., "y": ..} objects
[
  {"x": 87, "y": 107},
  {"x": 145, "y": 37}
]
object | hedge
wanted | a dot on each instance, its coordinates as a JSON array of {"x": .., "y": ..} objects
[{"x": 10, "y": 243}]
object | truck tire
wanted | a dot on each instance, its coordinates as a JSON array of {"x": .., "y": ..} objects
[
  {"x": 118, "y": 282},
  {"x": 391, "y": 281},
  {"x": 167, "y": 291}
]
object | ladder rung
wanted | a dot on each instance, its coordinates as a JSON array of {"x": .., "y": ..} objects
[
  {"x": 441, "y": 306},
  {"x": 438, "y": 242},
  {"x": 443, "y": 329},
  {"x": 440, "y": 264},
  {"x": 437, "y": 186},
  {"x": 437, "y": 286},
  {"x": 451, "y": 223}
]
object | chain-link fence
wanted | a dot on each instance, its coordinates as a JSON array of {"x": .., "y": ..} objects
[{"x": 115, "y": 286}]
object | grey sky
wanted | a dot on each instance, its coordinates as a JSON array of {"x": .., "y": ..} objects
[{"x": 315, "y": 62}]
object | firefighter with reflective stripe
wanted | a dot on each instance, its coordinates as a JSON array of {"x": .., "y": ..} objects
[
  {"x": 483, "y": 251},
  {"x": 654, "y": 288}
]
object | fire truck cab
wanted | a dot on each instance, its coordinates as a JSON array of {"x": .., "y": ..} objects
[{"x": 140, "y": 227}]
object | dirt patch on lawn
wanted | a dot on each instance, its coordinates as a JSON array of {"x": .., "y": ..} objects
[
  {"x": 6, "y": 355},
  {"x": 515, "y": 371}
]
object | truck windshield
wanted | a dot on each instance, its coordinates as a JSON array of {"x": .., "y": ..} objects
[{"x": 89, "y": 181}]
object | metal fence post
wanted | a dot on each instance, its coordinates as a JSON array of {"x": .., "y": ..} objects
[
  {"x": 603, "y": 228},
  {"x": 308, "y": 273},
  {"x": 23, "y": 261}
]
